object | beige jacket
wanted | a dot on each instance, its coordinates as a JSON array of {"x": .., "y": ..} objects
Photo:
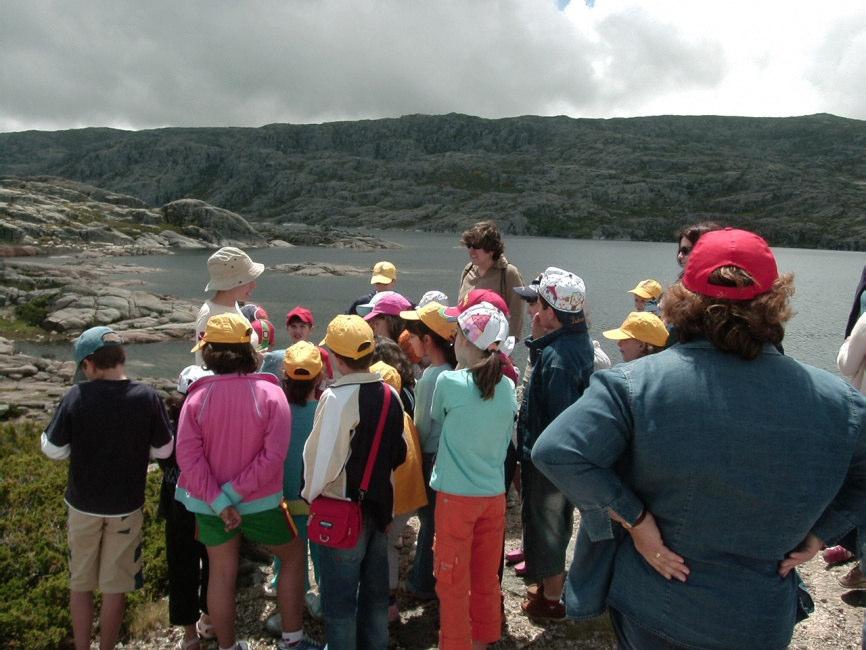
[{"x": 502, "y": 277}]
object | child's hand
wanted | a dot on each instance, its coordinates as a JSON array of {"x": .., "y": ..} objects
[{"x": 231, "y": 518}]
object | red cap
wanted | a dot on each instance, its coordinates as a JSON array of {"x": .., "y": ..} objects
[
  {"x": 477, "y": 296},
  {"x": 300, "y": 312},
  {"x": 730, "y": 247}
]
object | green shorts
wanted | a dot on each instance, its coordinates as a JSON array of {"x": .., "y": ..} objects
[{"x": 270, "y": 527}]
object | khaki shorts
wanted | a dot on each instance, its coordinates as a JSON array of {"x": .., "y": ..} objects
[{"x": 105, "y": 552}]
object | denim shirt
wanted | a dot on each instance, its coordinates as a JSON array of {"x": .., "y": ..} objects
[
  {"x": 737, "y": 460},
  {"x": 562, "y": 364}
]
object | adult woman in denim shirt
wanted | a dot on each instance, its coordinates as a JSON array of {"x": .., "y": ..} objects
[{"x": 707, "y": 472}]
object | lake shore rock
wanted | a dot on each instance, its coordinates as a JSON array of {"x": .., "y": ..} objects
[{"x": 45, "y": 214}]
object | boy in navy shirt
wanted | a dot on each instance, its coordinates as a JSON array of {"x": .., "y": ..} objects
[{"x": 108, "y": 427}]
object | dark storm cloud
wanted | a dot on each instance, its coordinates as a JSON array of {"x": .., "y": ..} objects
[{"x": 138, "y": 64}]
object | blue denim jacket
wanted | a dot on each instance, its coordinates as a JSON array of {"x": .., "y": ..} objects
[
  {"x": 737, "y": 460},
  {"x": 562, "y": 364}
]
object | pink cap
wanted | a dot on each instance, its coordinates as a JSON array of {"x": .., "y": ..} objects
[
  {"x": 389, "y": 305},
  {"x": 302, "y": 313},
  {"x": 475, "y": 297},
  {"x": 730, "y": 247}
]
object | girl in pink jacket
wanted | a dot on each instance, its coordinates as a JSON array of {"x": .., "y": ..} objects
[{"x": 232, "y": 439}]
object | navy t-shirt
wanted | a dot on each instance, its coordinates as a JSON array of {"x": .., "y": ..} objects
[{"x": 110, "y": 427}]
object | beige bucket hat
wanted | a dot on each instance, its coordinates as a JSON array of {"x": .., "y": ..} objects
[{"x": 230, "y": 267}]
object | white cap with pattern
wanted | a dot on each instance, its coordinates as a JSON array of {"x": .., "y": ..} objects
[
  {"x": 562, "y": 290},
  {"x": 484, "y": 326}
]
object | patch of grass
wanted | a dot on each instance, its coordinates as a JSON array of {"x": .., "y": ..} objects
[
  {"x": 148, "y": 617},
  {"x": 15, "y": 328}
]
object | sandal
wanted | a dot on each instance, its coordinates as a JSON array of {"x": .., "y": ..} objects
[
  {"x": 205, "y": 630},
  {"x": 513, "y": 557}
]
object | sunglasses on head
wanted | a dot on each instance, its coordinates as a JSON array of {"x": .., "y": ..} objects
[{"x": 476, "y": 247}]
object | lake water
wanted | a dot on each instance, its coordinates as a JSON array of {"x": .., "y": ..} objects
[{"x": 825, "y": 283}]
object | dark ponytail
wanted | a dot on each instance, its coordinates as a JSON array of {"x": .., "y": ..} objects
[{"x": 487, "y": 373}]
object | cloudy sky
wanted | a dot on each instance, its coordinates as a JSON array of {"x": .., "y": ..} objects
[{"x": 140, "y": 64}]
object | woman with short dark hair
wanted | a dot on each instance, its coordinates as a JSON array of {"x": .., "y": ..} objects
[
  {"x": 706, "y": 473},
  {"x": 488, "y": 269}
]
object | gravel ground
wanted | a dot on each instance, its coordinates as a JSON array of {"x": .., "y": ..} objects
[{"x": 833, "y": 625}]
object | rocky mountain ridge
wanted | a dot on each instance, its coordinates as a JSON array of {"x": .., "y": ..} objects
[{"x": 800, "y": 181}]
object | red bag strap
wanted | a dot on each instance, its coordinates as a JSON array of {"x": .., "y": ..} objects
[{"x": 377, "y": 441}]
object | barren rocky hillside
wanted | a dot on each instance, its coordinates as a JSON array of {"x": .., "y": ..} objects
[{"x": 800, "y": 181}]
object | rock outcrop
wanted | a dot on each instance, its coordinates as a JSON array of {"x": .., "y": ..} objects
[{"x": 42, "y": 213}]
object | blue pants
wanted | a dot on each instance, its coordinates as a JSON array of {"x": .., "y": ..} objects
[
  {"x": 421, "y": 580},
  {"x": 354, "y": 590}
]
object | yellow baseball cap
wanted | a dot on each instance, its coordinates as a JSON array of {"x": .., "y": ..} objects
[
  {"x": 383, "y": 273},
  {"x": 302, "y": 361},
  {"x": 433, "y": 316},
  {"x": 225, "y": 328},
  {"x": 388, "y": 373},
  {"x": 349, "y": 336},
  {"x": 643, "y": 326},
  {"x": 647, "y": 289}
]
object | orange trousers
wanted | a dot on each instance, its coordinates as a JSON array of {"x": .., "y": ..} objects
[{"x": 467, "y": 551}]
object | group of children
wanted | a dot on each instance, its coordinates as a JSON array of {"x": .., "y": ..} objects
[{"x": 407, "y": 409}]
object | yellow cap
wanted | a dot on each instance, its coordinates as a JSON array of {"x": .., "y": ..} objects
[
  {"x": 349, "y": 336},
  {"x": 225, "y": 328},
  {"x": 383, "y": 273},
  {"x": 388, "y": 373},
  {"x": 433, "y": 316},
  {"x": 647, "y": 289},
  {"x": 302, "y": 361},
  {"x": 643, "y": 326}
]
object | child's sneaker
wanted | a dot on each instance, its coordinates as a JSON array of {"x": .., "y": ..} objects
[
  {"x": 836, "y": 555},
  {"x": 314, "y": 604},
  {"x": 542, "y": 609},
  {"x": 513, "y": 557}
]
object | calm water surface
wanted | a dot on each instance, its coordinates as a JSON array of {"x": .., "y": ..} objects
[{"x": 825, "y": 283}]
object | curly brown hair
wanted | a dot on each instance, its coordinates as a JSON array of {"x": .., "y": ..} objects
[
  {"x": 486, "y": 235},
  {"x": 741, "y": 327}
]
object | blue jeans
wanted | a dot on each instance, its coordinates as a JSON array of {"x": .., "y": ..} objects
[
  {"x": 354, "y": 590},
  {"x": 421, "y": 580},
  {"x": 548, "y": 519},
  {"x": 630, "y": 636}
]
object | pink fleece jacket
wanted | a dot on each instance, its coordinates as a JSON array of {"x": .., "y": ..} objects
[{"x": 232, "y": 439}]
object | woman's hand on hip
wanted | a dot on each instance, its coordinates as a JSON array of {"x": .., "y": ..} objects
[
  {"x": 648, "y": 541},
  {"x": 803, "y": 553}
]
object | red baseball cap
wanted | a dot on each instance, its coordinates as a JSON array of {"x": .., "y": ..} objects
[
  {"x": 477, "y": 296},
  {"x": 730, "y": 247},
  {"x": 304, "y": 314}
]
